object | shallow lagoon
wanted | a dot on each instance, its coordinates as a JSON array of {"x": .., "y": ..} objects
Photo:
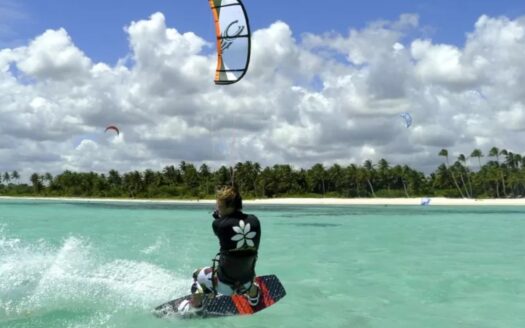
[{"x": 74, "y": 264}]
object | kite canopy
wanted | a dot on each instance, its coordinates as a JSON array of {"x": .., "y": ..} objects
[
  {"x": 114, "y": 128},
  {"x": 407, "y": 118},
  {"x": 233, "y": 40}
]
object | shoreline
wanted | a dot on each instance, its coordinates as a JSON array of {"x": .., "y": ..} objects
[{"x": 437, "y": 201}]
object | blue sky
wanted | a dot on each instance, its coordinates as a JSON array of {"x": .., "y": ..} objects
[{"x": 96, "y": 26}]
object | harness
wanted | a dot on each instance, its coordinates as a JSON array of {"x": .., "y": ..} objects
[
  {"x": 214, "y": 278},
  {"x": 237, "y": 286}
]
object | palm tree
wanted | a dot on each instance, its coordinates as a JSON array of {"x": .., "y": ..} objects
[
  {"x": 463, "y": 160},
  {"x": 334, "y": 180},
  {"x": 133, "y": 183},
  {"x": 256, "y": 173},
  {"x": 48, "y": 178},
  {"x": 444, "y": 153},
  {"x": 204, "y": 173},
  {"x": 353, "y": 177},
  {"x": 510, "y": 160},
  {"x": 317, "y": 178},
  {"x": 264, "y": 182},
  {"x": 285, "y": 179},
  {"x": 222, "y": 176},
  {"x": 190, "y": 177},
  {"x": 492, "y": 175},
  {"x": 513, "y": 161},
  {"x": 37, "y": 183},
  {"x": 368, "y": 174},
  {"x": 495, "y": 152},
  {"x": 518, "y": 160},
  {"x": 245, "y": 175},
  {"x": 401, "y": 172},
  {"x": 171, "y": 174},
  {"x": 441, "y": 177},
  {"x": 15, "y": 176},
  {"x": 384, "y": 173},
  {"x": 149, "y": 179},
  {"x": 477, "y": 153},
  {"x": 114, "y": 181},
  {"x": 7, "y": 177}
]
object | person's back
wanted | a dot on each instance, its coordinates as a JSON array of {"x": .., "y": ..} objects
[{"x": 239, "y": 236}]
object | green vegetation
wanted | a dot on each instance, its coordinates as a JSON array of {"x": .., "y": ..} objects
[{"x": 502, "y": 176}]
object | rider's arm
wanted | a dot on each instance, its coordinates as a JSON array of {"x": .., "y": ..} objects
[{"x": 215, "y": 224}]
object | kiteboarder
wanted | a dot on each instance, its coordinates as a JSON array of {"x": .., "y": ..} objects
[{"x": 233, "y": 270}]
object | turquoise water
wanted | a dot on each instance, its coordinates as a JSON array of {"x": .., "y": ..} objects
[{"x": 80, "y": 265}]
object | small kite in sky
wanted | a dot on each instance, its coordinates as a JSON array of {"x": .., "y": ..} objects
[
  {"x": 114, "y": 128},
  {"x": 407, "y": 118}
]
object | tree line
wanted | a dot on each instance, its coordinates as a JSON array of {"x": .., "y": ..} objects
[{"x": 501, "y": 176}]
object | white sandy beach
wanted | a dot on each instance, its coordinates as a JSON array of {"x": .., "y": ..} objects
[{"x": 438, "y": 201}]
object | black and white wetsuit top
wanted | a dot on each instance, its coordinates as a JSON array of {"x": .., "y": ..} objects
[{"x": 239, "y": 236}]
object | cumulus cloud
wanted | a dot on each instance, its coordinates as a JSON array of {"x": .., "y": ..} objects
[
  {"x": 53, "y": 56},
  {"x": 312, "y": 98}
]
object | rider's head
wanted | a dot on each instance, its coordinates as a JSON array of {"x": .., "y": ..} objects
[{"x": 229, "y": 200}]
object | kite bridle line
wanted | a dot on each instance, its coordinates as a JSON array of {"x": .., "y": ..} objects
[
  {"x": 224, "y": 39},
  {"x": 233, "y": 150},
  {"x": 232, "y": 174}
]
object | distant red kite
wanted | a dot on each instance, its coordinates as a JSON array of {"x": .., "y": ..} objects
[{"x": 112, "y": 127}]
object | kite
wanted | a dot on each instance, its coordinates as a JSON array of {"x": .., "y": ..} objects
[
  {"x": 112, "y": 127},
  {"x": 233, "y": 40},
  {"x": 408, "y": 119}
]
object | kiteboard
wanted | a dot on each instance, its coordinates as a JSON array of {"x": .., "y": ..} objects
[{"x": 271, "y": 291}]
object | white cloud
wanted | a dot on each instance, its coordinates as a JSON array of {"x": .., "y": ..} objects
[
  {"x": 440, "y": 64},
  {"x": 513, "y": 118},
  {"x": 322, "y": 98},
  {"x": 54, "y": 56}
]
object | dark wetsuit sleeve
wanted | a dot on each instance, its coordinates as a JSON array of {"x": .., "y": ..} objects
[{"x": 215, "y": 226}]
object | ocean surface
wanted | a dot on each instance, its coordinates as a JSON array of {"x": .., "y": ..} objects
[{"x": 84, "y": 265}]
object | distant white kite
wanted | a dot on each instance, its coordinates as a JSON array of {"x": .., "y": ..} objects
[{"x": 407, "y": 119}]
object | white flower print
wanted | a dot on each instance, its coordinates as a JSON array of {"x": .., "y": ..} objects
[{"x": 244, "y": 235}]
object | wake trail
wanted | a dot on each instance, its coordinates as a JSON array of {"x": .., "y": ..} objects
[{"x": 37, "y": 278}]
